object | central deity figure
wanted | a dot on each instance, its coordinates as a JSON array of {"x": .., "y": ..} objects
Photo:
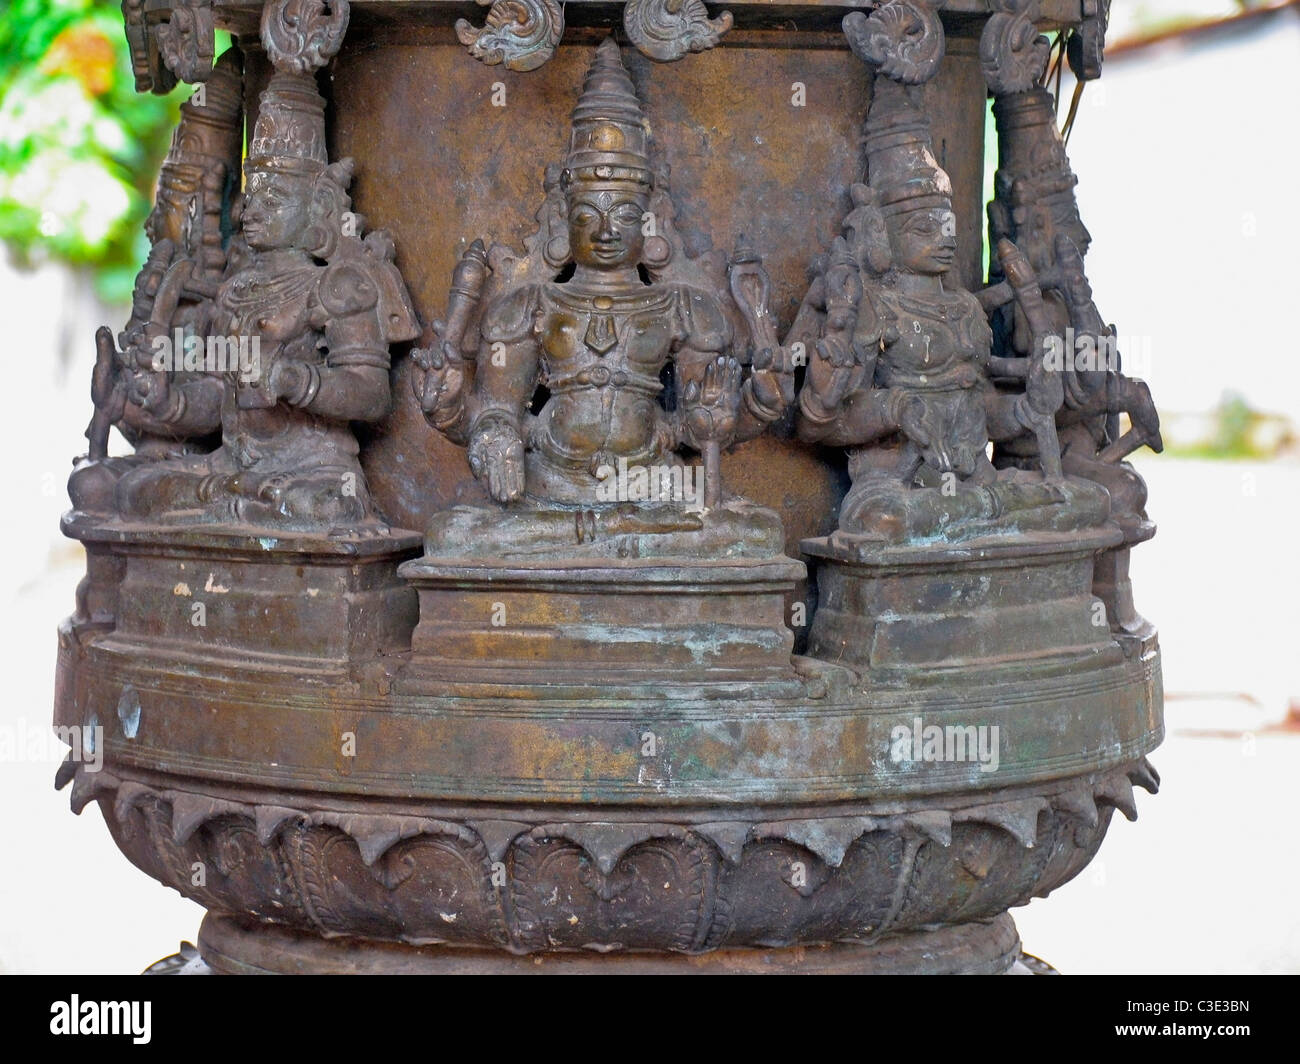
[{"x": 582, "y": 389}]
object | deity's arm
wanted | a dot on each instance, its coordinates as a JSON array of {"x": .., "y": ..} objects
[
  {"x": 837, "y": 399},
  {"x": 156, "y": 400},
  {"x": 708, "y": 409},
  {"x": 863, "y": 417},
  {"x": 995, "y": 296},
  {"x": 193, "y": 409},
  {"x": 760, "y": 405},
  {"x": 147, "y": 281},
  {"x": 495, "y": 412},
  {"x": 508, "y": 364},
  {"x": 736, "y": 414},
  {"x": 351, "y": 382}
]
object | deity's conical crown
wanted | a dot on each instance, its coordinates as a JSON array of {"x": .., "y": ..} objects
[
  {"x": 1032, "y": 164},
  {"x": 611, "y": 137},
  {"x": 209, "y": 134},
  {"x": 901, "y": 166},
  {"x": 289, "y": 136}
]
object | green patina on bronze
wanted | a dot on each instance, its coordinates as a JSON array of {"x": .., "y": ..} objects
[{"x": 387, "y": 636}]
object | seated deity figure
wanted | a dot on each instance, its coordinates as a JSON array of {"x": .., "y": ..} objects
[
  {"x": 318, "y": 305},
  {"x": 563, "y": 395},
  {"x": 902, "y": 372},
  {"x": 170, "y": 411},
  {"x": 1035, "y": 205}
]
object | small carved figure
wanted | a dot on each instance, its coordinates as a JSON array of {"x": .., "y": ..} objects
[
  {"x": 1035, "y": 206},
  {"x": 904, "y": 353},
  {"x": 170, "y": 411},
  {"x": 319, "y": 303},
  {"x": 562, "y": 390}
]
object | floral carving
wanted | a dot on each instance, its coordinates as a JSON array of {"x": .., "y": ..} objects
[
  {"x": 1013, "y": 53},
  {"x": 303, "y": 35},
  {"x": 522, "y": 34},
  {"x": 668, "y": 29},
  {"x": 903, "y": 39},
  {"x": 187, "y": 41},
  {"x": 676, "y": 887}
]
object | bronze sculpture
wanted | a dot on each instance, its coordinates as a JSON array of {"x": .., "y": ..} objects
[
  {"x": 567, "y": 727},
  {"x": 1034, "y": 203},
  {"x": 905, "y": 353},
  {"x": 190, "y": 233},
  {"x": 589, "y": 355},
  {"x": 311, "y": 284}
]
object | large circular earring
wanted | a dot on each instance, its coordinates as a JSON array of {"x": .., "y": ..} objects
[
  {"x": 319, "y": 240},
  {"x": 557, "y": 252},
  {"x": 657, "y": 252}
]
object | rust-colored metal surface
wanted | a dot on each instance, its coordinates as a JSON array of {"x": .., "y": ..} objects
[{"x": 633, "y": 534}]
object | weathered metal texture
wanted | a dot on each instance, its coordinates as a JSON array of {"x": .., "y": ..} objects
[
  {"x": 575, "y": 732},
  {"x": 741, "y": 160},
  {"x": 762, "y": 879},
  {"x": 976, "y": 948}
]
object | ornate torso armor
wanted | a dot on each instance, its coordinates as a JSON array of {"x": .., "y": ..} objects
[
  {"x": 933, "y": 345},
  {"x": 601, "y": 356},
  {"x": 282, "y": 308}
]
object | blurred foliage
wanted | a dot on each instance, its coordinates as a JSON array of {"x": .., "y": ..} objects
[
  {"x": 1232, "y": 423},
  {"x": 1231, "y": 430},
  {"x": 79, "y": 147}
]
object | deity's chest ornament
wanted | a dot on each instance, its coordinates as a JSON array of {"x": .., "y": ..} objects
[{"x": 608, "y": 321}]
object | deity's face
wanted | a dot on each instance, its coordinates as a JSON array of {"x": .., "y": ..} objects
[
  {"x": 605, "y": 225},
  {"x": 1065, "y": 219},
  {"x": 174, "y": 215},
  {"x": 1037, "y": 228},
  {"x": 924, "y": 241},
  {"x": 276, "y": 210}
]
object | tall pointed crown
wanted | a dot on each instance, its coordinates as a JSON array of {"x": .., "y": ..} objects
[
  {"x": 289, "y": 136},
  {"x": 901, "y": 166},
  {"x": 208, "y": 136},
  {"x": 1032, "y": 164},
  {"x": 611, "y": 137}
]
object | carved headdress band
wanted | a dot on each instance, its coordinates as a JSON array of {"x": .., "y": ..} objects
[
  {"x": 289, "y": 136},
  {"x": 1032, "y": 164},
  {"x": 611, "y": 137},
  {"x": 903, "y": 43},
  {"x": 208, "y": 136},
  {"x": 901, "y": 166}
]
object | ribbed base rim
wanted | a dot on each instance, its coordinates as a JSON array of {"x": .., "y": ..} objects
[{"x": 231, "y": 947}]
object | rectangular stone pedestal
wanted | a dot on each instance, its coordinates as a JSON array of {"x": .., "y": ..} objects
[{"x": 684, "y": 621}]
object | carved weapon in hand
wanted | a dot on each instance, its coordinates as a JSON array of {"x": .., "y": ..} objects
[
  {"x": 1044, "y": 386},
  {"x": 443, "y": 361},
  {"x": 107, "y": 392}
]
